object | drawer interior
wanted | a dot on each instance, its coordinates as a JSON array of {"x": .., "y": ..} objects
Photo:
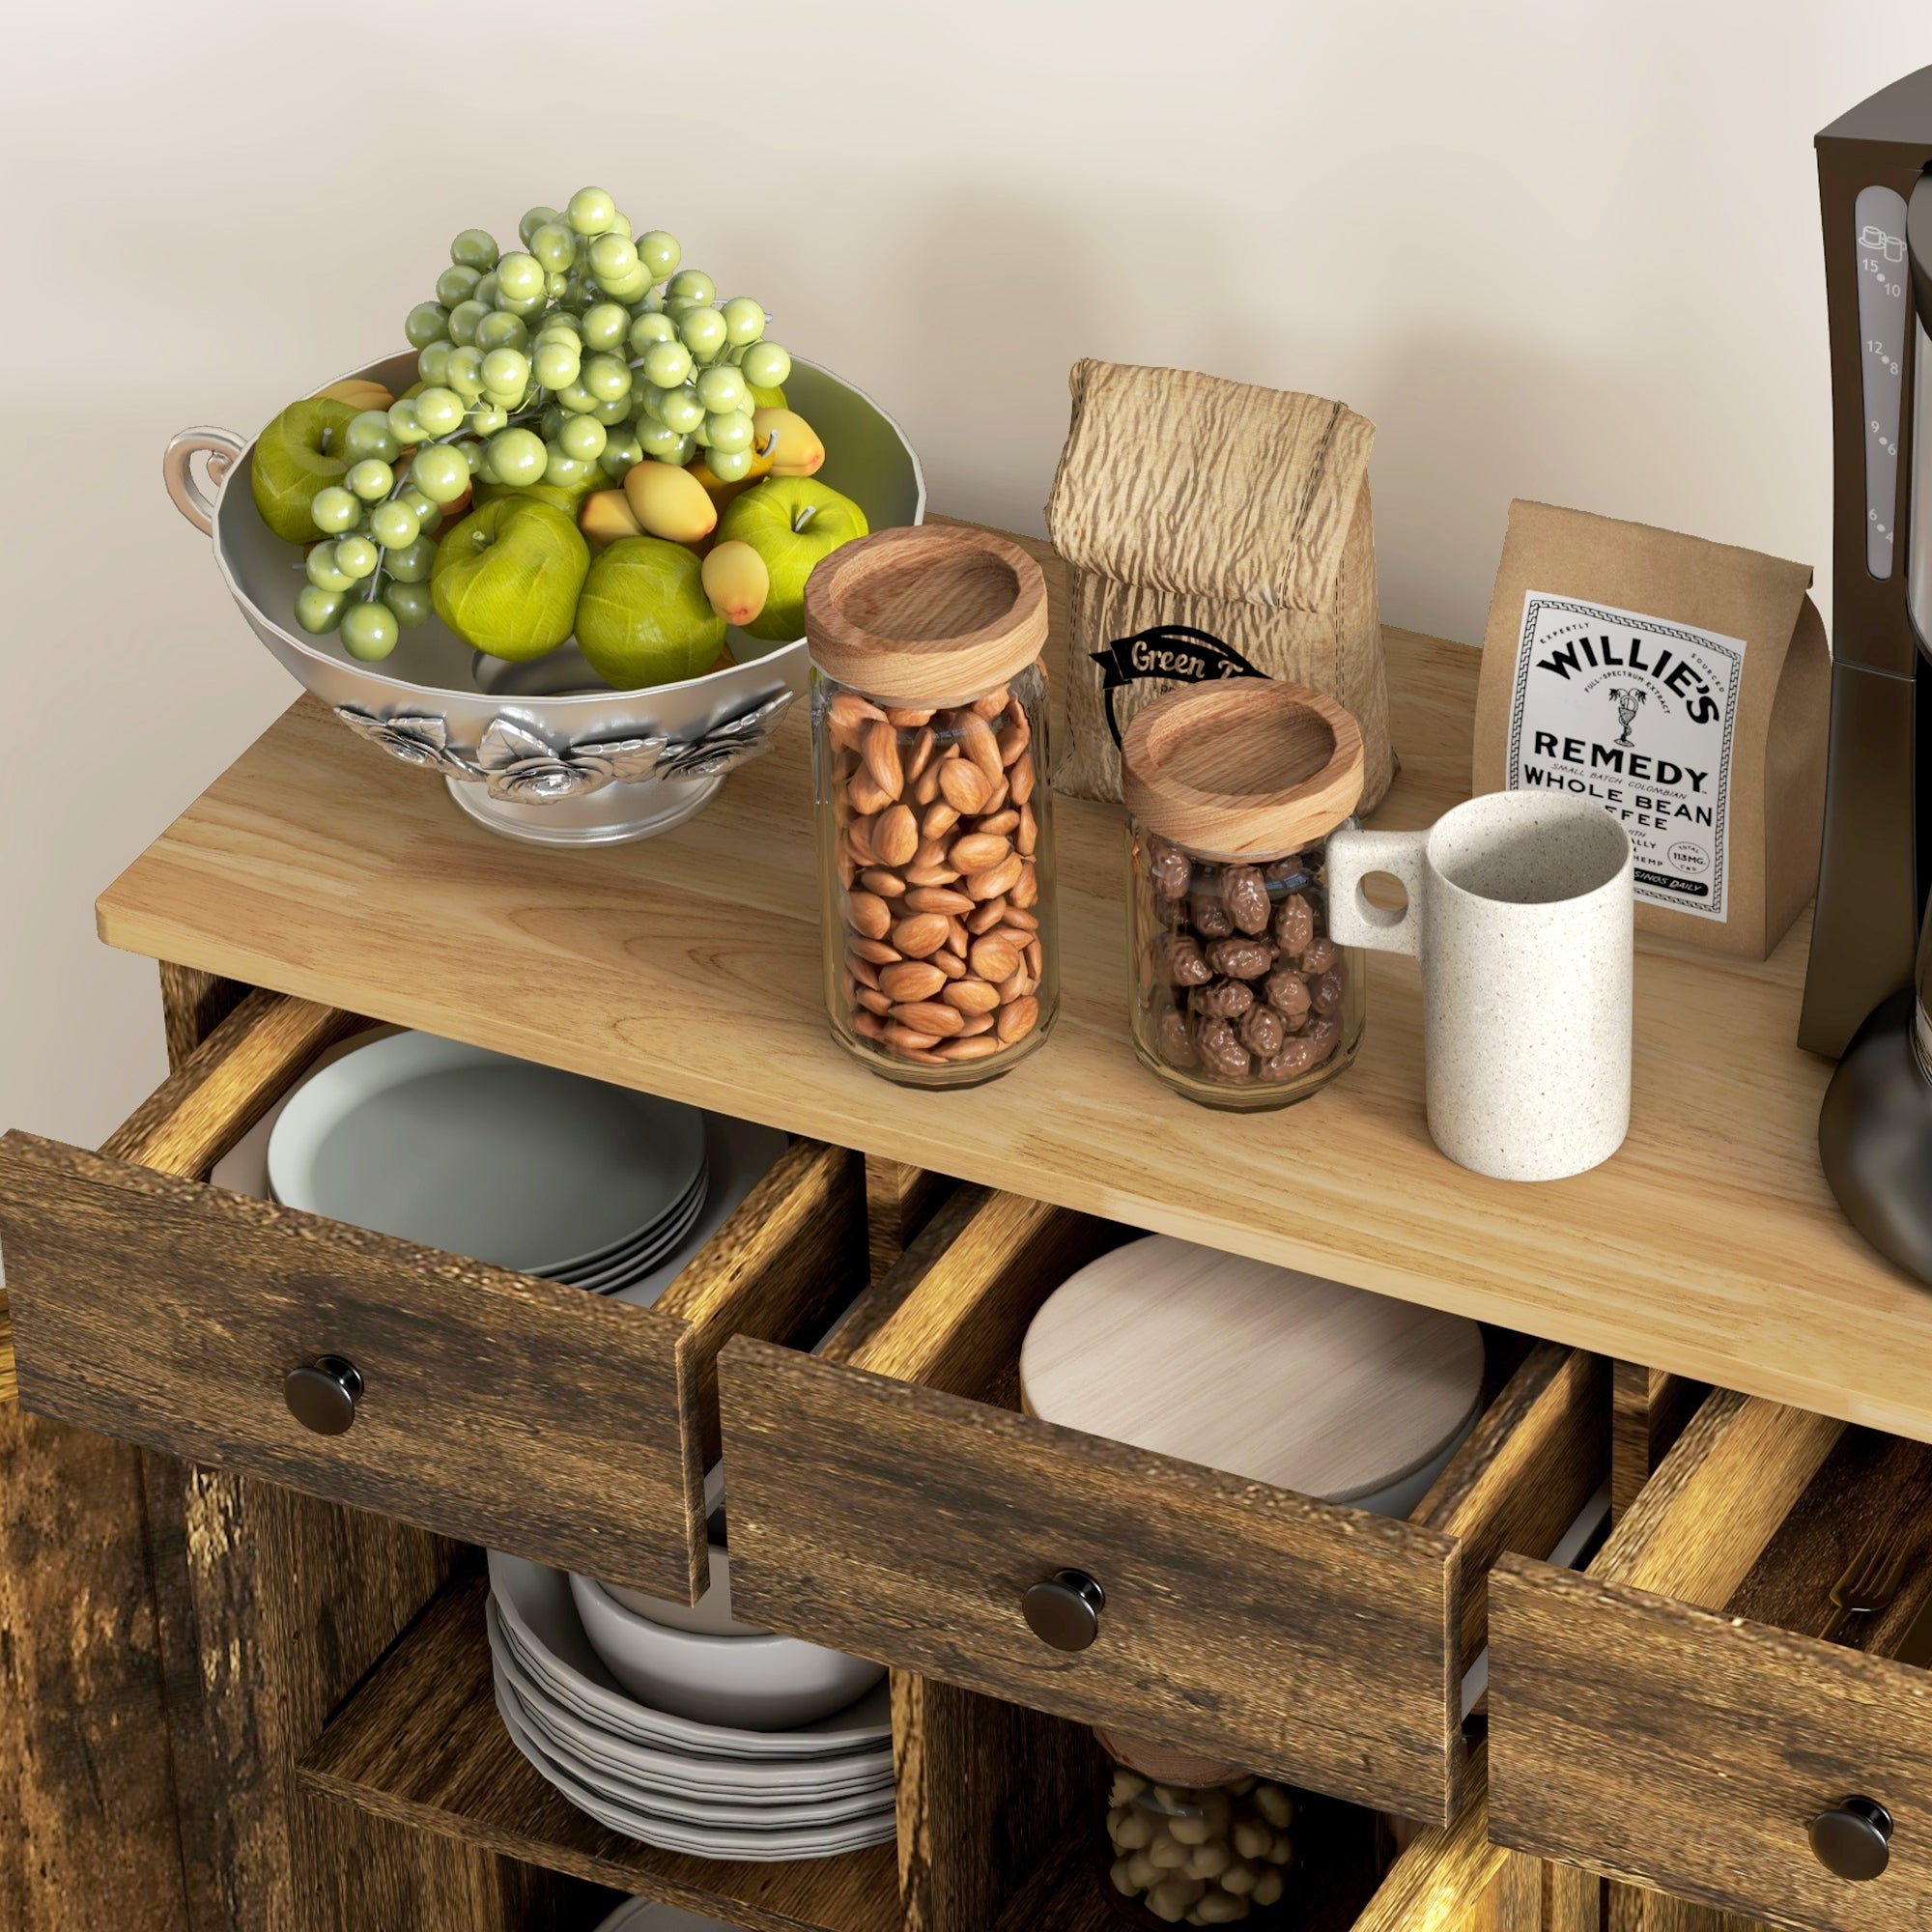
[{"x": 887, "y": 1497}]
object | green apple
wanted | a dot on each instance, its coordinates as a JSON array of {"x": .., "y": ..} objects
[
  {"x": 793, "y": 523},
  {"x": 569, "y": 500},
  {"x": 299, "y": 454},
  {"x": 506, "y": 578},
  {"x": 643, "y": 617}
]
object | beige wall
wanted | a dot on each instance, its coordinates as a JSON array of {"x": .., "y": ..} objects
[{"x": 1552, "y": 249}]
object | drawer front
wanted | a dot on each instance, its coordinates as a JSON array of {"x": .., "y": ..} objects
[
  {"x": 494, "y": 1407},
  {"x": 907, "y": 1525},
  {"x": 1686, "y": 1751}
]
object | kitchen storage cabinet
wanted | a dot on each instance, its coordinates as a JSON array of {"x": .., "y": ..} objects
[
  {"x": 298, "y": 1652},
  {"x": 886, "y": 1499},
  {"x": 1676, "y": 1717}
]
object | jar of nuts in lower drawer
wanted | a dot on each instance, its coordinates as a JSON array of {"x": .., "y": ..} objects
[
  {"x": 1188, "y": 1841},
  {"x": 929, "y": 719},
  {"x": 1240, "y": 999}
]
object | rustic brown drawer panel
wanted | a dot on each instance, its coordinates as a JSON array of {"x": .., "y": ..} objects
[
  {"x": 897, "y": 1515},
  {"x": 496, "y": 1407},
  {"x": 1674, "y": 1717}
]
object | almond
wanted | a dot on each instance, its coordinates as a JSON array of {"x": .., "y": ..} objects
[
  {"x": 1020, "y": 779},
  {"x": 965, "y": 786},
  {"x": 980, "y": 1023},
  {"x": 957, "y": 938},
  {"x": 1013, "y": 988},
  {"x": 847, "y": 715},
  {"x": 967, "y": 1049},
  {"x": 909, "y": 720},
  {"x": 1036, "y": 959},
  {"x": 867, "y": 913},
  {"x": 872, "y": 1001},
  {"x": 937, "y": 898},
  {"x": 993, "y": 704},
  {"x": 1025, "y": 835},
  {"x": 876, "y": 950},
  {"x": 976, "y": 851},
  {"x": 1025, "y": 890},
  {"x": 1005, "y": 877},
  {"x": 985, "y": 918},
  {"x": 862, "y": 970},
  {"x": 906, "y": 1040},
  {"x": 896, "y": 837},
  {"x": 1014, "y": 739},
  {"x": 888, "y": 885},
  {"x": 867, "y": 794},
  {"x": 1016, "y": 1020},
  {"x": 972, "y": 996},
  {"x": 869, "y": 1025},
  {"x": 925, "y": 789},
  {"x": 1024, "y": 920},
  {"x": 930, "y": 1017},
  {"x": 938, "y": 873},
  {"x": 859, "y": 841},
  {"x": 910, "y": 980},
  {"x": 994, "y": 958},
  {"x": 919, "y": 754},
  {"x": 950, "y": 964},
  {"x": 922, "y": 933},
  {"x": 940, "y": 818},
  {"x": 1005, "y": 821},
  {"x": 881, "y": 746},
  {"x": 977, "y": 742},
  {"x": 996, "y": 799}
]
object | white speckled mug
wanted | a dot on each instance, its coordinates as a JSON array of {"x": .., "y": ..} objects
[{"x": 1521, "y": 912}]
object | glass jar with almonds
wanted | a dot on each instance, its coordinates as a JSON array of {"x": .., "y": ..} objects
[
  {"x": 929, "y": 753},
  {"x": 1240, "y": 997}
]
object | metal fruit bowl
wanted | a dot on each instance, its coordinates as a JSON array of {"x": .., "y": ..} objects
[{"x": 543, "y": 751}]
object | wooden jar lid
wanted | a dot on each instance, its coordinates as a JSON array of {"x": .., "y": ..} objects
[
  {"x": 1263, "y": 1372},
  {"x": 1245, "y": 768},
  {"x": 1163, "y": 1762},
  {"x": 925, "y": 616}
]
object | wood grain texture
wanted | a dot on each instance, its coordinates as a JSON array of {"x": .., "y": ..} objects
[
  {"x": 906, "y": 1523},
  {"x": 1675, "y": 1742},
  {"x": 88, "y": 1841},
  {"x": 899, "y": 1200},
  {"x": 984, "y": 1788},
  {"x": 1648, "y": 1415},
  {"x": 193, "y": 1003},
  {"x": 689, "y": 965},
  {"x": 1536, "y": 1457},
  {"x": 420, "y": 1744},
  {"x": 497, "y": 1408},
  {"x": 1573, "y": 1899}
]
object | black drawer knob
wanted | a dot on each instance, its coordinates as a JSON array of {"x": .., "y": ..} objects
[
  {"x": 321, "y": 1395},
  {"x": 1853, "y": 1838},
  {"x": 1064, "y": 1609}
]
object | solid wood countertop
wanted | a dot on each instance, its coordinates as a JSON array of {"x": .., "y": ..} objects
[{"x": 689, "y": 965}]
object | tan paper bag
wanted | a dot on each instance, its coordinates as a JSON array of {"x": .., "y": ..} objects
[
  {"x": 1685, "y": 685},
  {"x": 1211, "y": 529}
]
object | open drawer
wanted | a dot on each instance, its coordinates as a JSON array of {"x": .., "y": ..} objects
[
  {"x": 1675, "y": 1717},
  {"x": 886, "y": 1498},
  {"x": 494, "y": 1407}
]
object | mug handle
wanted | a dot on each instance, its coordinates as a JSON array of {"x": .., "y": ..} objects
[
  {"x": 220, "y": 446},
  {"x": 1351, "y": 920}
]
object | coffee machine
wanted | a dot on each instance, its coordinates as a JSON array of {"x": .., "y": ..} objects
[{"x": 1868, "y": 990}]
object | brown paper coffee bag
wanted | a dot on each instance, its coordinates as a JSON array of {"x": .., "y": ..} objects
[{"x": 1684, "y": 685}]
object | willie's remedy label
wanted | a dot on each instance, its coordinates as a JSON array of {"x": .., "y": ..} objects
[{"x": 1637, "y": 714}]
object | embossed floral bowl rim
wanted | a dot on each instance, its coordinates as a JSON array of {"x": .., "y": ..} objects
[{"x": 541, "y": 751}]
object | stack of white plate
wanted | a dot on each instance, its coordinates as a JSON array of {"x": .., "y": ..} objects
[
  {"x": 647, "y": 1915},
  {"x": 711, "y": 1790},
  {"x": 477, "y": 1154}
]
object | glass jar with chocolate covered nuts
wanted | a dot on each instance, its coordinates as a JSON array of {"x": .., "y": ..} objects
[
  {"x": 930, "y": 753},
  {"x": 1240, "y": 999},
  {"x": 1190, "y": 1841}
]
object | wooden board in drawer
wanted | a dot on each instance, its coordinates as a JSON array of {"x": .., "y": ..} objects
[
  {"x": 495, "y": 1407},
  {"x": 888, "y": 1504},
  {"x": 1675, "y": 1717}
]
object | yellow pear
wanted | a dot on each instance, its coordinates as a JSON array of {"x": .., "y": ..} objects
[
  {"x": 786, "y": 442},
  {"x": 737, "y": 581},
  {"x": 669, "y": 503},
  {"x": 359, "y": 393},
  {"x": 607, "y": 516}
]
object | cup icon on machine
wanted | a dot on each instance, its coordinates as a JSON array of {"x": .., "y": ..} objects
[{"x": 1874, "y": 240}]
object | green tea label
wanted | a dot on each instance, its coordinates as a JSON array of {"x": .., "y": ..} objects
[{"x": 1637, "y": 714}]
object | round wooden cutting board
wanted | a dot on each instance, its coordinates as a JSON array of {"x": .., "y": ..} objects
[{"x": 1261, "y": 1371}]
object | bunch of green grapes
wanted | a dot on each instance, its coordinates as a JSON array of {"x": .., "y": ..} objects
[{"x": 563, "y": 362}]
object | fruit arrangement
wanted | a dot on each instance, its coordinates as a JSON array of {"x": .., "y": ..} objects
[{"x": 596, "y": 446}]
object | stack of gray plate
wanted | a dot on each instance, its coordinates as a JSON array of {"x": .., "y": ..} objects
[
  {"x": 481, "y": 1155},
  {"x": 720, "y": 1791}
]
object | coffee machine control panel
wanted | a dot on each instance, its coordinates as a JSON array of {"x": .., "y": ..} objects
[{"x": 1884, "y": 320}]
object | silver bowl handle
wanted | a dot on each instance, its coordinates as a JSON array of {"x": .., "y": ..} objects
[{"x": 220, "y": 446}]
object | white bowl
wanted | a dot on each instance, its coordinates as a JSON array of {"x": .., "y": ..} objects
[
  {"x": 766, "y": 1683},
  {"x": 711, "y": 1614},
  {"x": 543, "y": 751}
]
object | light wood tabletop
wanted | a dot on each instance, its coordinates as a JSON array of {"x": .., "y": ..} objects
[{"x": 689, "y": 965}]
